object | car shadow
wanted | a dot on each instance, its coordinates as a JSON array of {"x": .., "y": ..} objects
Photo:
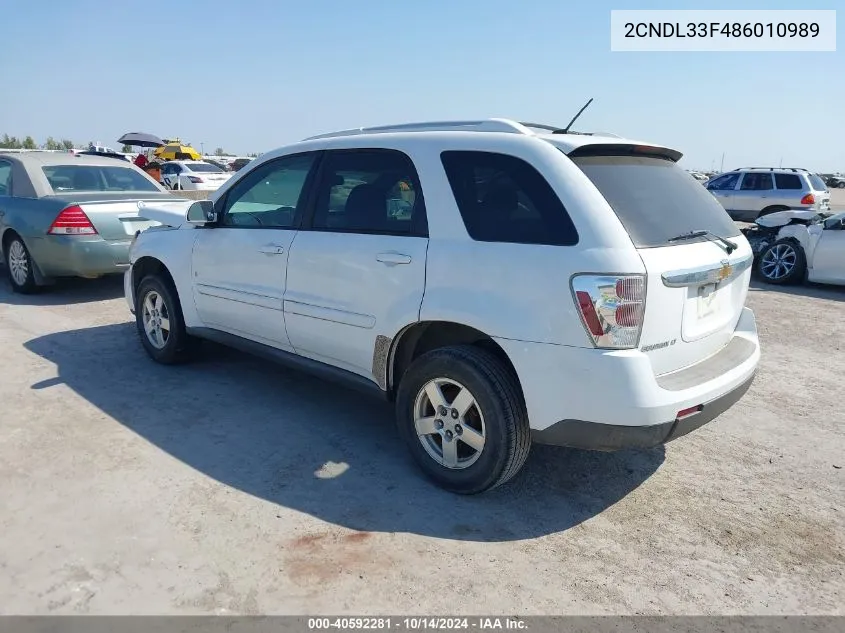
[
  {"x": 64, "y": 291},
  {"x": 815, "y": 291},
  {"x": 322, "y": 449}
]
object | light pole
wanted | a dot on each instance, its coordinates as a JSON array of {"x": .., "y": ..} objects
[{"x": 202, "y": 148}]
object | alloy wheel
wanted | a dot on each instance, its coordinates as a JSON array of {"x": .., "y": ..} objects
[
  {"x": 156, "y": 319},
  {"x": 779, "y": 261},
  {"x": 449, "y": 423},
  {"x": 18, "y": 263}
]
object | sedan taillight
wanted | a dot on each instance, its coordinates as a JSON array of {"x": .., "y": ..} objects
[
  {"x": 72, "y": 221},
  {"x": 195, "y": 179},
  {"x": 611, "y": 308}
]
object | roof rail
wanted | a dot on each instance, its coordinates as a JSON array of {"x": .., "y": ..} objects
[
  {"x": 795, "y": 169},
  {"x": 475, "y": 125},
  {"x": 479, "y": 125}
]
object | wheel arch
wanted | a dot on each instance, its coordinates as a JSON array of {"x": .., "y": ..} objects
[
  {"x": 149, "y": 265},
  {"x": 392, "y": 357},
  {"x": 772, "y": 208},
  {"x": 7, "y": 234}
]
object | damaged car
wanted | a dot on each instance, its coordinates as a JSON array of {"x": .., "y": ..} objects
[{"x": 795, "y": 246}]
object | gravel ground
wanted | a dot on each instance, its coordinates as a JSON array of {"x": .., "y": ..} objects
[{"x": 234, "y": 486}]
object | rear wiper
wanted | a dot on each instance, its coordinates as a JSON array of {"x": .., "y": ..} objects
[{"x": 729, "y": 246}]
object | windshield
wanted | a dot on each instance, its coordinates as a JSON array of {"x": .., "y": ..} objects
[
  {"x": 818, "y": 183},
  {"x": 96, "y": 178},
  {"x": 204, "y": 167},
  {"x": 655, "y": 199}
]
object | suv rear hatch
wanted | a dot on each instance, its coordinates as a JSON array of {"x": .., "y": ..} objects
[
  {"x": 696, "y": 284},
  {"x": 821, "y": 193}
]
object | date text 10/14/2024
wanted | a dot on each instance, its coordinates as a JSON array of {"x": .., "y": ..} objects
[{"x": 417, "y": 623}]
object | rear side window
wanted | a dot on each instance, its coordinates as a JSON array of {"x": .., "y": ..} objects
[
  {"x": 818, "y": 183},
  {"x": 787, "y": 181},
  {"x": 655, "y": 199},
  {"x": 5, "y": 178},
  {"x": 756, "y": 181},
  {"x": 502, "y": 198}
]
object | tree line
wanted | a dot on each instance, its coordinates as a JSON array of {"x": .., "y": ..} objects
[{"x": 13, "y": 142}]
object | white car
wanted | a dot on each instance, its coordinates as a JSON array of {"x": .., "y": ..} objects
[
  {"x": 794, "y": 246},
  {"x": 499, "y": 283},
  {"x": 192, "y": 175}
]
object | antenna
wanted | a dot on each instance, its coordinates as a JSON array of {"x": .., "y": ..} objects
[{"x": 566, "y": 129}]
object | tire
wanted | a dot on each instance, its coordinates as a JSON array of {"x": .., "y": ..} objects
[
  {"x": 157, "y": 304},
  {"x": 19, "y": 267},
  {"x": 782, "y": 263},
  {"x": 495, "y": 419},
  {"x": 841, "y": 185}
]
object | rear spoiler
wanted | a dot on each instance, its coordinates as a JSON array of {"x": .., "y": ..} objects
[{"x": 625, "y": 149}]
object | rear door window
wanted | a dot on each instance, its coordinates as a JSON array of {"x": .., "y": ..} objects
[
  {"x": 373, "y": 191},
  {"x": 756, "y": 181},
  {"x": 504, "y": 199},
  {"x": 655, "y": 199},
  {"x": 787, "y": 181}
]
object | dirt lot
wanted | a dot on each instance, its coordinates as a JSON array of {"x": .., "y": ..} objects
[{"x": 234, "y": 486}]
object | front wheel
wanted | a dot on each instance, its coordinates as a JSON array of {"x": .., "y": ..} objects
[
  {"x": 782, "y": 263},
  {"x": 461, "y": 414},
  {"x": 841, "y": 185},
  {"x": 159, "y": 321}
]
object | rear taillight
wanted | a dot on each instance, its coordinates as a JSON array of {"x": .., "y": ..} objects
[
  {"x": 195, "y": 179},
  {"x": 611, "y": 308},
  {"x": 72, "y": 221},
  {"x": 808, "y": 199}
]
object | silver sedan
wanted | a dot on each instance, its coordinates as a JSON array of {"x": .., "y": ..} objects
[{"x": 65, "y": 215}]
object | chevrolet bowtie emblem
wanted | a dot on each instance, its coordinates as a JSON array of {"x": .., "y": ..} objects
[{"x": 725, "y": 271}]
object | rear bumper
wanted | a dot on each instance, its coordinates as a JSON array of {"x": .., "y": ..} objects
[
  {"x": 608, "y": 400},
  {"x": 607, "y": 437},
  {"x": 78, "y": 256}
]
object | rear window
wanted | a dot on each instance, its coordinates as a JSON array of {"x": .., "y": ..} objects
[
  {"x": 787, "y": 181},
  {"x": 655, "y": 199},
  {"x": 818, "y": 183},
  {"x": 504, "y": 199},
  {"x": 205, "y": 168},
  {"x": 96, "y": 178}
]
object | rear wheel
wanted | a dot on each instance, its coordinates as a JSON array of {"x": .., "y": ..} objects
[
  {"x": 460, "y": 412},
  {"x": 841, "y": 185},
  {"x": 782, "y": 263},
  {"x": 19, "y": 267},
  {"x": 159, "y": 321}
]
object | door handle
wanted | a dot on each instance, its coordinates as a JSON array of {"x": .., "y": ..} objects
[
  {"x": 393, "y": 258},
  {"x": 272, "y": 249}
]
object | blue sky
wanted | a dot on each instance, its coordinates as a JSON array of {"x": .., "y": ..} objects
[{"x": 250, "y": 75}]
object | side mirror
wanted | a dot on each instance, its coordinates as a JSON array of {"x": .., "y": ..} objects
[{"x": 202, "y": 212}]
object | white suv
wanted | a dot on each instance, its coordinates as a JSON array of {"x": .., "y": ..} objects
[{"x": 499, "y": 282}]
